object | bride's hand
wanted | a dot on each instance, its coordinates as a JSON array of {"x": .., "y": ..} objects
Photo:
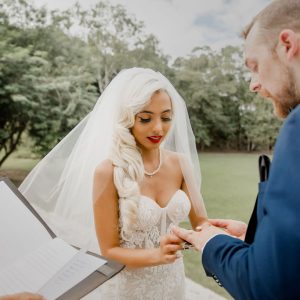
[
  {"x": 167, "y": 251},
  {"x": 233, "y": 227}
]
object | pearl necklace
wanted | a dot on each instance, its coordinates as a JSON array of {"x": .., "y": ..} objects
[{"x": 156, "y": 170}]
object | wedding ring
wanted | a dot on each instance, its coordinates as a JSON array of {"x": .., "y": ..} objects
[
  {"x": 202, "y": 227},
  {"x": 198, "y": 228},
  {"x": 187, "y": 246}
]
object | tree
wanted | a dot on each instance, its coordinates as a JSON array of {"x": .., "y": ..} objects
[
  {"x": 223, "y": 112},
  {"x": 55, "y": 64},
  {"x": 208, "y": 88},
  {"x": 19, "y": 67},
  {"x": 43, "y": 92},
  {"x": 259, "y": 124},
  {"x": 61, "y": 74}
]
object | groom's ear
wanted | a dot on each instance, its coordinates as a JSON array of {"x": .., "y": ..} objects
[{"x": 289, "y": 43}]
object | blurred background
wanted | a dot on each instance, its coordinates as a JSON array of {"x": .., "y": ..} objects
[{"x": 56, "y": 58}]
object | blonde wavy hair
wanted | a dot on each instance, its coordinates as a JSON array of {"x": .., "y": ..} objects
[{"x": 125, "y": 154}]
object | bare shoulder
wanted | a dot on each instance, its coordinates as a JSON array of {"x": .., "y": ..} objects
[
  {"x": 104, "y": 188},
  {"x": 104, "y": 175},
  {"x": 173, "y": 157},
  {"x": 104, "y": 170}
]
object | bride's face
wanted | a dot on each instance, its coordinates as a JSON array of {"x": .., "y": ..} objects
[{"x": 153, "y": 122}]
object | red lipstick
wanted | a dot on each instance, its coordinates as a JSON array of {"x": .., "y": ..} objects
[{"x": 154, "y": 139}]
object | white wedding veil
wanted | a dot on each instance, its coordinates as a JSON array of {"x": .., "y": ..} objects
[{"x": 60, "y": 186}]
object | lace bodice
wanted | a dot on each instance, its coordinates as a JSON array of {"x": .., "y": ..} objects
[
  {"x": 155, "y": 221},
  {"x": 161, "y": 282}
]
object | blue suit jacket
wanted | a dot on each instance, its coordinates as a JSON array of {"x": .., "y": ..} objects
[{"x": 270, "y": 267}]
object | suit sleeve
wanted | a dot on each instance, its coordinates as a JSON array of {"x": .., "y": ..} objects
[{"x": 269, "y": 268}]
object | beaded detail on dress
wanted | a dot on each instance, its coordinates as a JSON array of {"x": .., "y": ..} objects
[{"x": 161, "y": 282}]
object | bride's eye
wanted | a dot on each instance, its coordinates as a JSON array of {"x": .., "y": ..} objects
[
  {"x": 145, "y": 120},
  {"x": 167, "y": 119}
]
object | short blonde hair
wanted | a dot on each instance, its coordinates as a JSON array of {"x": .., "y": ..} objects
[{"x": 277, "y": 16}]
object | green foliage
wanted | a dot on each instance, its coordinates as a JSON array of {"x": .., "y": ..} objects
[
  {"x": 223, "y": 113},
  {"x": 19, "y": 67},
  {"x": 259, "y": 124},
  {"x": 50, "y": 77}
]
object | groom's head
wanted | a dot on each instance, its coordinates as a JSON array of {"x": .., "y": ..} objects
[{"x": 272, "y": 53}]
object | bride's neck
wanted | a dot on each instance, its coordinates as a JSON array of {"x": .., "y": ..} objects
[{"x": 150, "y": 156}]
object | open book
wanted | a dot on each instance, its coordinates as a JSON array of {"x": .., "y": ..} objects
[{"x": 33, "y": 259}]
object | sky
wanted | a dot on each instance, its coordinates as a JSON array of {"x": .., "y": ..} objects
[{"x": 181, "y": 25}]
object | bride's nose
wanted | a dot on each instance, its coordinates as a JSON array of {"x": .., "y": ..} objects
[{"x": 157, "y": 127}]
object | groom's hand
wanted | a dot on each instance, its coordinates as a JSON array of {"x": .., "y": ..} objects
[
  {"x": 200, "y": 237},
  {"x": 233, "y": 227}
]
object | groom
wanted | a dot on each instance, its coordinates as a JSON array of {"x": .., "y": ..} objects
[{"x": 269, "y": 268}]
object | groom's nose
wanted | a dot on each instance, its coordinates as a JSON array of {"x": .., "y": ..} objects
[{"x": 255, "y": 85}]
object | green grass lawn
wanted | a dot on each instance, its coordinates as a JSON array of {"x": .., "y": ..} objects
[
  {"x": 21, "y": 160},
  {"x": 24, "y": 164},
  {"x": 17, "y": 166},
  {"x": 229, "y": 186}
]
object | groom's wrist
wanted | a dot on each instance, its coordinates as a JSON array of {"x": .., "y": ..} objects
[
  {"x": 202, "y": 249},
  {"x": 206, "y": 234}
]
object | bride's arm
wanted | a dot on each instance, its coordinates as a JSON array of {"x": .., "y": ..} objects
[
  {"x": 195, "y": 219},
  {"x": 198, "y": 214},
  {"x": 105, "y": 205}
]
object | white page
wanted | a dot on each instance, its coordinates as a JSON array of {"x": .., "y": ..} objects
[
  {"x": 78, "y": 268},
  {"x": 20, "y": 231},
  {"x": 35, "y": 269}
]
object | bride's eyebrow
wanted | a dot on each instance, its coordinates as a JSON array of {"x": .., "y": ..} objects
[
  {"x": 146, "y": 112},
  {"x": 166, "y": 111},
  {"x": 151, "y": 112}
]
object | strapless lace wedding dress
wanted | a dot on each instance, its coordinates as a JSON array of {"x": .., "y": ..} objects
[{"x": 161, "y": 282}]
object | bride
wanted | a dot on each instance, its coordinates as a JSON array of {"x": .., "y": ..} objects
[{"x": 138, "y": 145}]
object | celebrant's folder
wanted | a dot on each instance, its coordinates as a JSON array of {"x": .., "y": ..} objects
[{"x": 33, "y": 259}]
